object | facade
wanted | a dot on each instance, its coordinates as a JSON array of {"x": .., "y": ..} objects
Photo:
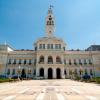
[{"x": 49, "y": 59}]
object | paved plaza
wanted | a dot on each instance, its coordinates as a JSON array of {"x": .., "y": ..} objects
[{"x": 63, "y": 89}]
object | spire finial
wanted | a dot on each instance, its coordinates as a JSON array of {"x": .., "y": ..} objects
[{"x": 51, "y": 6}]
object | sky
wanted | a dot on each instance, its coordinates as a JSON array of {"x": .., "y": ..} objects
[{"x": 22, "y": 22}]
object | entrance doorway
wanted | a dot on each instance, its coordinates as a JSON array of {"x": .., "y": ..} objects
[
  {"x": 50, "y": 73},
  {"x": 23, "y": 74},
  {"x": 42, "y": 72},
  {"x": 58, "y": 73}
]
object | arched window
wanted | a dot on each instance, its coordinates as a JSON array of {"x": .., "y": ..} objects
[
  {"x": 86, "y": 71},
  {"x": 75, "y": 62},
  {"x": 90, "y": 61},
  {"x": 70, "y": 62},
  {"x": 85, "y": 61},
  {"x": 25, "y": 61},
  {"x": 52, "y": 22},
  {"x": 30, "y": 62},
  {"x": 9, "y": 61},
  {"x": 8, "y": 72},
  {"x": 19, "y": 61},
  {"x": 41, "y": 59},
  {"x": 50, "y": 60},
  {"x": 80, "y": 62},
  {"x": 14, "y": 61},
  {"x": 58, "y": 60},
  {"x": 13, "y": 72},
  {"x": 91, "y": 72}
]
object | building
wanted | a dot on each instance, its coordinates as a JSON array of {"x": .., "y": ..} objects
[
  {"x": 49, "y": 59},
  {"x": 93, "y": 48}
]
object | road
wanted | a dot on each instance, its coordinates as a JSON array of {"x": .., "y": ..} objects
[{"x": 64, "y": 89}]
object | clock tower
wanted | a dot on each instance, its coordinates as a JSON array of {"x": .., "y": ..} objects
[{"x": 50, "y": 23}]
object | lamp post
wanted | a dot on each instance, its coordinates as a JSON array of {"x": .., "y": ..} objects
[{"x": 18, "y": 72}]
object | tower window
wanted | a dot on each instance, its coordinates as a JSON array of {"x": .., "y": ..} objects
[{"x": 50, "y": 18}]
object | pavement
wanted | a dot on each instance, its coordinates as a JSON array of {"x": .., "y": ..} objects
[{"x": 62, "y": 89}]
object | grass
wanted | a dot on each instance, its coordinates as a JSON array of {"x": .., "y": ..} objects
[
  {"x": 6, "y": 80},
  {"x": 96, "y": 79}
]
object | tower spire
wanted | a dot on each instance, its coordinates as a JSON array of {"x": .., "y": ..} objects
[{"x": 50, "y": 22}]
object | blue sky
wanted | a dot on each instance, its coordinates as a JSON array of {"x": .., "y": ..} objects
[{"x": 22, "y": 22}]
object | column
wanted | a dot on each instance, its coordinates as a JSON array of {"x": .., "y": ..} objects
[
  {"x": 62, "y": 73},
  {"x": 45, "y": 73},
  {"x": 37, "y": 71},
  {"x": 54, "y": 73},
  {"x": 46, "y": 59},
  {"x": 54, "y": 59}
]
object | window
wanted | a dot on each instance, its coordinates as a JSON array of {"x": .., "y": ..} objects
[
  {"x": 75, "y": 62},
  {"x": 48, "y": 46},
  {"x": 51, "y": 46},
  {"x": 24, "y": 61},
  {"x": 8, "y": 72},
  {"x": 86, "y": 71},
  {"x": 58, "y": 60},
  {"x": 70, "y": 62},
  {"x": 19, "y": 61},
  {"x": 64, "y": 48},
  {"x": 9, "y": 61},
  {"x": 91, "y": 72},
  {"x": 40, "y": 46},
  {"x": 90, "y": 62},
  {"x": 85, "y": 61},
  {"x": 41, "y": 59},
  {"x": 56, "y": 46},
  {"x": 13, "y": 72},
  {"x": 52, "y": 22},
  {"x": 30, "y": 62},
  {"x": 35, "y": 48},
  {"x": 43, "y": 46},
  {"x": 80, "y": 62},
  {"x": 14, "y": 61},
  {"x": 50, "y": 60},
  {"x": 59, "y": 46}
]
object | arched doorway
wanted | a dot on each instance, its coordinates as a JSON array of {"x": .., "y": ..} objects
[
  {"x": 42, "y": 72},
  {"x": 58, "y": 73},
  {"x": 50, "y": 73},
  {"x": 23, "y": 74}
]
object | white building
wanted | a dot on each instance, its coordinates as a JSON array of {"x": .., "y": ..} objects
[{"x": 49, "y": 59}]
